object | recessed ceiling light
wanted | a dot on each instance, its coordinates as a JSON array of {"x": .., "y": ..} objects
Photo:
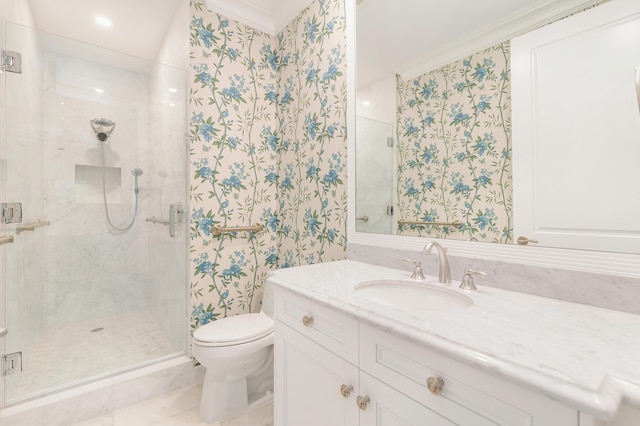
[
  {"x": 366, "y": 103},
  {"x": 99, "y": 90},
  {"x": 172, "y": 90},
  {"x": 103, "y": 21}
]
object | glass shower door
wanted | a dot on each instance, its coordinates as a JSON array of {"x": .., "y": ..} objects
[
  {"x": 82, "y": 299},
  {"x": 374, "y": 176}
]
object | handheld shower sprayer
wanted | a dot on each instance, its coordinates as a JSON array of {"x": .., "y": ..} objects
[
  {"x": 102, "y": 128},
  {"x": 136, "y": 173}
]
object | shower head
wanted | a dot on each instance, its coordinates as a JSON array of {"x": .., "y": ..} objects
[
  {"x": 137, "y": 172},
  {"x": 102, "y": 128}
]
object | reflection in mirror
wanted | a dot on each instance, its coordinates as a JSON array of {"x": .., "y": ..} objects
[
  {"x": 453, "y": 132},
  {"x": 374, "y": 172},
  {"x": 452, "y": 125},
  {"x": 454, "y": 145}
]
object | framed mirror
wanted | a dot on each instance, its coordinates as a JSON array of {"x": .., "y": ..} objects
[{"x": 448, "y": 80}]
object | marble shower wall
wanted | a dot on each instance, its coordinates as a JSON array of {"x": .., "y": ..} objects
[
  {"x": 91, "y": 270},
  {"x": 268, "y": 146},
  {"x": 454, "y": 148}
]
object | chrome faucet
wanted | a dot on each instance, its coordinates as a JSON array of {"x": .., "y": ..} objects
[{"x": 444, "y": 272}]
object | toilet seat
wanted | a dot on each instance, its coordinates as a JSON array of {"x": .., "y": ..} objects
[{"x": 234, "y": 330}]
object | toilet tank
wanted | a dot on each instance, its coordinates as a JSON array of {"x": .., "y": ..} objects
[{"x": 267, "y": 300}]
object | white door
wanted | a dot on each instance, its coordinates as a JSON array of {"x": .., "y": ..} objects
[
  {"x": 576, "y": 130},
  {"x": 309, "y": 381}
]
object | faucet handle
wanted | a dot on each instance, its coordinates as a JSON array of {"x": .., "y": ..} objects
[
  {"x": 467, "y": 280},
  {"x": 417, "y": 269}
]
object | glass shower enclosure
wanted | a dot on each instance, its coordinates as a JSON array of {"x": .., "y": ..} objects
[{"x": 83, "y": 299}]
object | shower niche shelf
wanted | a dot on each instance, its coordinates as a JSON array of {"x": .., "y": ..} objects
[{"x": 88, "y": 184}]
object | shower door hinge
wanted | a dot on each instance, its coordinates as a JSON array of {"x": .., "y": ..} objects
[
  {"x": 12, "y": 363},
  {"x": 11, "y": 61},
  {"x": 389, "y": 210},
  {"x": 10, "y": 212},
  {"x": 390, "y": 142}
]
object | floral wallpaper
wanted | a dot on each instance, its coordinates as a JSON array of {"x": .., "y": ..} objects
[
  {"x": 312, "y": 136},
  {"x": 454, "y": 149},
  {"x": 268, "y": 146}
]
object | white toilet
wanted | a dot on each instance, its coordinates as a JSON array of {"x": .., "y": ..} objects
[{"x": 237, "y": 353}]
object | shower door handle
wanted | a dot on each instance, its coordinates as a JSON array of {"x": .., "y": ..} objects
[{"x": 176, "y": 212}]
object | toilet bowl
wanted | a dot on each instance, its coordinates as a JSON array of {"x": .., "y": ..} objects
[{"x": 237, "y": 353}]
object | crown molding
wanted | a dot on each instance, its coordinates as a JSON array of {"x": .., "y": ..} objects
[
  {"x": 537, "y": 15},
  {"x": 270, "y": 17}
]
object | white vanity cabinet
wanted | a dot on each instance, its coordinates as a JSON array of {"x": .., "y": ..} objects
[
  {"x": 316, "y": 355},
  {"x": 332, "y": 370}
]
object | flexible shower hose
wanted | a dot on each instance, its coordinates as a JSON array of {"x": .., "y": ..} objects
[{"x": 104, "y": 196}]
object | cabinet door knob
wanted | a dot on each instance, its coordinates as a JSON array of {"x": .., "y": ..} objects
[
  {"x": 307, "y": 320},
  {"x": 363, "y": 402},
  {"x": 435, "y": 385},
  {"x": 346, "y": 390}
]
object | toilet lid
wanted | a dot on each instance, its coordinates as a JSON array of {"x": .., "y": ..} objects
[{"x": 235, "y": 330}]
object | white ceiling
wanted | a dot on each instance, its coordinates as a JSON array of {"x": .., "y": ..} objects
[
  {"x": 392, "y": 35},
  {"x": 139, "y": 26},
  {"x": 400, "y": 36}
]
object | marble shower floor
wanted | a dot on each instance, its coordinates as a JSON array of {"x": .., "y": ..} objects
[
  {"x": 177, "y": 408},
  {"x": 69, "y": 353}
]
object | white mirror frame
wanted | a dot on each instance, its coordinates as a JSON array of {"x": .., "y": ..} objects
[{"x": 621, "y": 264}]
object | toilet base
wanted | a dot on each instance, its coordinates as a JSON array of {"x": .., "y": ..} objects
[
  {"x": 226, "y": 407},
  {"x": 223, "y": 400}
]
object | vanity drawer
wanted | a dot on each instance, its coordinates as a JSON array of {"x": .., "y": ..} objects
[
  {"x": 466, "y": 393},
  {"x": 331, "y": 329}
]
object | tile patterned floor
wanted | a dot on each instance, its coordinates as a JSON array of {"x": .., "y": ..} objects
[
  {"x": 177, "y": 408},
  {"x": 70, "y": 353}
]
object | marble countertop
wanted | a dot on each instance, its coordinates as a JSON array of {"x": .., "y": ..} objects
[{"x": 583, "y": 356}]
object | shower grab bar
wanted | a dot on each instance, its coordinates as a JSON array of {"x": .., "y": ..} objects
[
  {"x": 31, "y": 226},
  {"x": 154, "y": 219},
  {"x": 7, "y": 239},
  {"x": 455, "y": 223},
  {"x": 219, "y": 229}
]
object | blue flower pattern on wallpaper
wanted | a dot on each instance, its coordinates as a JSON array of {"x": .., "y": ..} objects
[
  {"x": 454, "y": 133},
  {"x": 268, "y": 146}
]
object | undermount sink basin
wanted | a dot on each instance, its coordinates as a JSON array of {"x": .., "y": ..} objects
[{"x": 409, "y": 295}]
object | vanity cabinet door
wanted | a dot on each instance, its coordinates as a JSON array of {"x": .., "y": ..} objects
[
  {"x": 465, "y": 396},
  {"x": 388, "y": 407},
  {"x": 310, "y": 382}
]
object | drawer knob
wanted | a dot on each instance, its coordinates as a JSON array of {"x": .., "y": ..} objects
[
  {"x": 435, "y": 385},
  {"x": 346, "y": 390},
  {"x": 363, "y": 402},
  {"x": 307, "y": 320}
]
